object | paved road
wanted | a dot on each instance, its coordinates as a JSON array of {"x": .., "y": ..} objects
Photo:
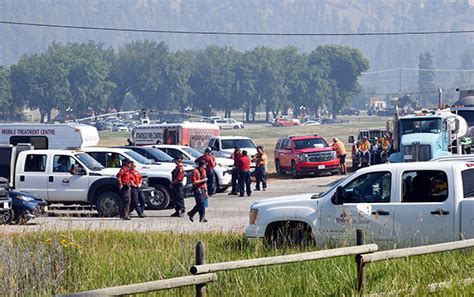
[{"x": 225, "y": 213}]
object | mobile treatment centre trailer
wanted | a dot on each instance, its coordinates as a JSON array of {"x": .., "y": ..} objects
[{"x": 49, "y": 136}]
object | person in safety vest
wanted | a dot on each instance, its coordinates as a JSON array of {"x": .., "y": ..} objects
[
  {"x": 364, "y": 150},
  {"x": 338, "y": 146}
]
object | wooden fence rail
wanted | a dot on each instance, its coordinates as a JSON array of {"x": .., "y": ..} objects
[
  {"x": 224, "y": 266},
  {"x": 164, "y": 284},
  {"x": 416, "y": 251}
]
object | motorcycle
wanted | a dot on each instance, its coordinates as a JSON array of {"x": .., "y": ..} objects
[{"x": 25, "y": 206}]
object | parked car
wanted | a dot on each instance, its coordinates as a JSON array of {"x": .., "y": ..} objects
[
  {"x": 5, "y": 202},
  {"x": 311, "y": 123},
  {"x": 120, "y": 127},
  {"x": 25, "y": 206},
  {"x": 333, "y": 121},
  {"x": 229, "y": 123},
  {"x": 305, "y": 154},
  {"x": 350, "y": 111},
  {"x": 285, "y": 121}
]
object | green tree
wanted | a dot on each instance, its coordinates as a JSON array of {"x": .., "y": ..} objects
[
  {"x": 244, "y": 86},
  {"x": 89, "y": 68},
  {"x": 212, "y": 79},
  {"x": 6, "y": 103},
  {"x": 41, "y": 81},
  {"x": 426, "y": 79},
  {"x": 343, "y": 66},
  {"x": 140, "y": 69},
  {"x": 268, "y": 79}
]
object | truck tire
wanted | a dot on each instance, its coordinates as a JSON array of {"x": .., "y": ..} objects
[
  {"x": 160, "y": 200},
  {"x": 236, "y": 127},
  {"x": 284, "y": 234},
  {"x": 278, "y": 167},
  {"x": 6, "y": 217},
  {"x": 108, "y": 204}
]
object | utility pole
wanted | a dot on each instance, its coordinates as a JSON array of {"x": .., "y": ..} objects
[{"x": 400, "y": 85}]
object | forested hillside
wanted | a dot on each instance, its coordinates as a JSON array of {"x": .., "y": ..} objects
[{"x": 383, "y": 52}]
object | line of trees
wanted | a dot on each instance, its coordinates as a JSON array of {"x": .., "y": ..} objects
[{"x": 85, "y": 78}]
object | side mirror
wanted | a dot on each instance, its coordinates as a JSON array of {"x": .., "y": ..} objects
[
  {"x": 351, "y": 139},
  {"x": 76, "y": 169},
  {"x": 339, "y": 196}
]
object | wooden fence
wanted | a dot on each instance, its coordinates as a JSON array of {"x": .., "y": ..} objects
[{"x": 203, "y": 273}]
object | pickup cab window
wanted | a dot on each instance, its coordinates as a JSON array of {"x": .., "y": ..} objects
[
  {"x": 35, "y": 163},
  {"x": 62, "y": 163},
  {"x": 424, "y": 186},
  {"x": 374, "y": 187},
  {"x": 467, "y": 183}
]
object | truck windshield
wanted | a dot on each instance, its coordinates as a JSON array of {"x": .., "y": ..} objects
[
  {"x": 309, "y": 143},
  {"x": 159, "y": 156},
  {"x": 409, "y": 126},
  {"x": 242, "y": 143},
  {"x": 196, "y": 154},
  {"x": 138, "y": 158},
  {"x": 89, "y": 162}
]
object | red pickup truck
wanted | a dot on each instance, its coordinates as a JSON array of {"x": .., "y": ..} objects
[{"x": 305, "y": 154}]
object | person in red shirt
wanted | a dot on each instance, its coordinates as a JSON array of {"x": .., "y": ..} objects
[
  {"x": 125, "y": 181},
  {"x": 177, "y": 187},
  {"x": 199, "y": 190},
  {"x": 244, "y": 174},
  {"x": 138, "y": 198},
  {"x": 210, "y": 160},
  {"x": 235, "y": 171}
]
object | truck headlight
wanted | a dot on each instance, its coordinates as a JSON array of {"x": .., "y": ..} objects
[
  {"x": 303, "y": 157},
  {"x": 24, "y": 198},
  {"x": 253, "y": 216}
]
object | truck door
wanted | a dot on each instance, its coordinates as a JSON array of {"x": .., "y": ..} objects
[
  {"x": 33, "y": 176},
  {"x": 426, "y": 212},
  {"x": 64, "y": 186},
  {"x": 366, "y": 205},
  {"x": 285, "y": 153}
]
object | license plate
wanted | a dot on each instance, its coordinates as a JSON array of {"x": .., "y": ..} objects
[
  {"x": 321, "y": 166},
  {"x": 408, "y": 157},
  {"x": 5, "y": 205},
  {"x": 45, "y": 208}
]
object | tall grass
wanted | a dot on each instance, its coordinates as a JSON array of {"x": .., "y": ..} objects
[{"x": 47, "y": 263}]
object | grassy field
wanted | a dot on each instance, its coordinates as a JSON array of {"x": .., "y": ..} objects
[
  {"x": 266, "y": 135},
  {"x": 45, "y": 264}
]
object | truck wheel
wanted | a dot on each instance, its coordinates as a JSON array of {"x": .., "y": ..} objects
[
  {"x": 160, "y": 200},
  {"x": 7, "y": 217},
  {"x": 278, "y": 168},
  {"x": 108, "y": 204},
  {"x": 289, "y": 234},
  {"x": 294, "y": 172},
  {"x": 236, "y": 127}
]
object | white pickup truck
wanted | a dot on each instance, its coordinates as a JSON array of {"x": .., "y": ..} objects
[
  {"x": 405, "y": 204},
  {"x": 64, "y": 177},
  {"x": 159, "y": 174}
]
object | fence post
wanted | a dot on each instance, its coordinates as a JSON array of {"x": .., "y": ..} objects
[
  {"x": 360, "y": 262},
  {"x": 200, "y": 259}
]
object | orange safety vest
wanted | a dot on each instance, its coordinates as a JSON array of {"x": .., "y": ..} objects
[
  {"x": 385, "y": 144},
  {"x": 339, "y": 148},
  {"x": 364, "y": 146}
]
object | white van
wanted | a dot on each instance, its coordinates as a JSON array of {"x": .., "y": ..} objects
[{"x": 49, "y": 136}]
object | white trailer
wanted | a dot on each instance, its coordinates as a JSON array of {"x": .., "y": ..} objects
[{"x": 49, "y": 136}]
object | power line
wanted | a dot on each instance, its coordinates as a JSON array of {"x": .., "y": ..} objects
[
  {"x": 235, "y": 33},
  {"x": 418, "y": 69}
]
